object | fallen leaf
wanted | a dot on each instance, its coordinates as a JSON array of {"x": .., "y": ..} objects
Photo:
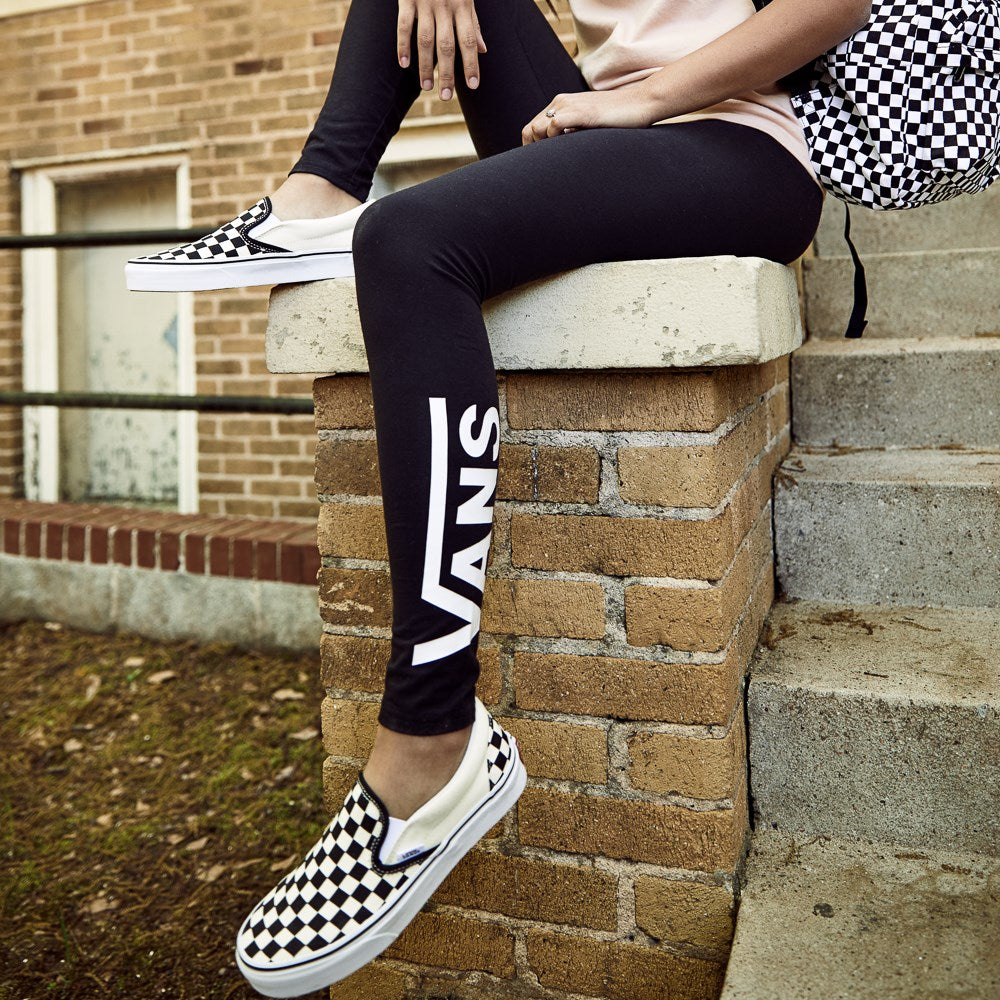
[
  {"x": 161, "y": 676},
  {"x": 174, "y": 839},
  {"x": 142, "y": 807},
  {"x": 287, "y": 694},
  {"x": 304, "y": 734},
  {"x": 53, "y": 626},
  {"x": 285, "y": 772},
  {"x": 211, "y": 874},
  {"x": 72, "y": 745},
  {"x": 93, "y": 684},
  {"x": 197, "y": 845},
  {"x": 99, "y": 904},
  {"x": 105, "y": 820}
]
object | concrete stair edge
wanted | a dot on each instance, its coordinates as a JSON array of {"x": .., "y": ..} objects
[
  {"x": 824, "y": 917},
  {"x": 868, "y": 720}
]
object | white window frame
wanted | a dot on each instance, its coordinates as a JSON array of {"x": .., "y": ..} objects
[
  {"x": 41, "y": 320},
  {"x": 421, "y": 140},
  {"x": 12, "y": 8}
]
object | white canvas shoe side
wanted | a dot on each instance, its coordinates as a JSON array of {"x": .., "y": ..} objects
[{"x": 256, "y": 248}]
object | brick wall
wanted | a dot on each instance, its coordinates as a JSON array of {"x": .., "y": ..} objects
[
  {"x": 238, "y": 85},
  {"x": 101, "y": 534},
  {"x": 629, "y": 577}
]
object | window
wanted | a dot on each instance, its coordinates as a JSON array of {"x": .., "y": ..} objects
[
  {"x": 84, "y": 331},
  {"x": 11, "y": 8},
  {"x": 422, "y": 150}
]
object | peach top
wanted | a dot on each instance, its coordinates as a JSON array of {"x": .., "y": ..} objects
[{"x": 624, "y": 41}]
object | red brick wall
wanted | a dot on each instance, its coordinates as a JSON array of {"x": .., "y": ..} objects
[{"x": 238, "y": 84}]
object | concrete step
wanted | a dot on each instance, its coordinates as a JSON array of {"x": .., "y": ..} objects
[
  {"x": 908, "y": 526},
  {"x": 905, "y": 392},
  {"x": 827, "y": 919},
  {"x": 880, "y": 722},
  {"x": 940, "y": 293},
  {"x": 969, "y": 221}
]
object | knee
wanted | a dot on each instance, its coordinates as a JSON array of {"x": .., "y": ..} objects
[
  {"x": 415, "y": 239},
  {"x": 392, "y": 233}
]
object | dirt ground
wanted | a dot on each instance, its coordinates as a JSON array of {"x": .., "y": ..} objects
[{"x": 150, "y": 794}]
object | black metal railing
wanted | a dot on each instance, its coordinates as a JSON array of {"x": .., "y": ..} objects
[
  {"x": 151, "y": 401},
  {"x": 137, "y": 401},
  {"x": 132, "y": 237}
]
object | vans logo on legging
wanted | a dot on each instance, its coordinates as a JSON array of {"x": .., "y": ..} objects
[{"x": 468, "y": 564}]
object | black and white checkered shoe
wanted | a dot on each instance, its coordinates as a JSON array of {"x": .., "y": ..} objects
[
  {"x": 256, "y": 248},
  {"x": 365, "y": 879}
]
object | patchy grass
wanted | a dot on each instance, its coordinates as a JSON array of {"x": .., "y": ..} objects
[{"x": 150, "y": 794}]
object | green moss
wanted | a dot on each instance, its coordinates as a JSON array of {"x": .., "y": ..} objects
[{"x": 99, "y": 893}]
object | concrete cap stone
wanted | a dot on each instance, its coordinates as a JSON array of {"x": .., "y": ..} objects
[{"x": 677, "y": 312}]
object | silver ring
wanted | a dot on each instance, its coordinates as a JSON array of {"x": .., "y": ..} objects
[{"x": 551, "y": 113}]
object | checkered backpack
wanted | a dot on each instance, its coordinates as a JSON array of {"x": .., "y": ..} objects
[{"x": 905, "y": 112}]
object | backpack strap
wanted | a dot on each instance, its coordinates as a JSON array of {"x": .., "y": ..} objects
[{"x": 857, "y": 323}]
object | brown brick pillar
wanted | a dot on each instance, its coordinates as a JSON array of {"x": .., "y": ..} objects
[{"x": 629, "y": 577}]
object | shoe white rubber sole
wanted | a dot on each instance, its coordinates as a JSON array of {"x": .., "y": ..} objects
[
  {"x": 292, "y": 981},
  {"x": 171, "y": 276}
]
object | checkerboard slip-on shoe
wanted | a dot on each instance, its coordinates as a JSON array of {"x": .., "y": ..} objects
[
  {"x": 257, "y": 248},
  {"x": 356, "y": 890}
]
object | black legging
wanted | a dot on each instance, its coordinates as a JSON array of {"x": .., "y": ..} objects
[{"x": 426, "y": 258}]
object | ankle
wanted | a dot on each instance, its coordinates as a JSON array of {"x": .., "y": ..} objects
[
  {"x": 407, "y": 771},
  {"x": 309, "y": 196}
]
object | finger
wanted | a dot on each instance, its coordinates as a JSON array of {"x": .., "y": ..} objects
[
  {"x": 554, "y": 126},
  {"x": 404, "y": 29},
  {"x": 425, "y": 43},
  {"x": 566, "y": 118},
  {"x": 468, "y": 38},
  {"x": 445, "y": 29}
]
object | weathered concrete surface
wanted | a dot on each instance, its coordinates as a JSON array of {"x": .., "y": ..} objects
[
  {"x": 905, "y": 392},
  {"x": 691, "y": 311},
  {"x": 959, "y": 224},
  {"x": 880, "y": 722},
  {"x": 67, "y": 592},
  {"x": 175, "y": 605},
  {"x": 944, "y": 293},
  {"x": 916, "y": 527},
  {"x": 826, "y": 919}
]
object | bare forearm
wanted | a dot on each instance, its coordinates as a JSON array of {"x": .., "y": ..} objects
[{"x": 783, "y": 36}]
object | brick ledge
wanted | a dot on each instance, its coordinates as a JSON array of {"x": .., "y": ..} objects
[{"x": 99, "y": 534}]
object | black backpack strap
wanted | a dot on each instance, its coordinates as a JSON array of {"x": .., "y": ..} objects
[{"x": 857, "y": 323}]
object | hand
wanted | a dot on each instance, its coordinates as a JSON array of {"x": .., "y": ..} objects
[
  {"x": 443, "y": 22},
  {"x": 624, "y": 107}
]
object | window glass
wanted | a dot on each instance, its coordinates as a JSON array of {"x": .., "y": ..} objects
[{"x": 113, "y": 340}]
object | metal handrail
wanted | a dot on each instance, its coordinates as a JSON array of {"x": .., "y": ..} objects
[
  {"x": 34, "y": 241},
  {"x": 138, "y": 401},
  {"x": 149, "y": 401}
]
